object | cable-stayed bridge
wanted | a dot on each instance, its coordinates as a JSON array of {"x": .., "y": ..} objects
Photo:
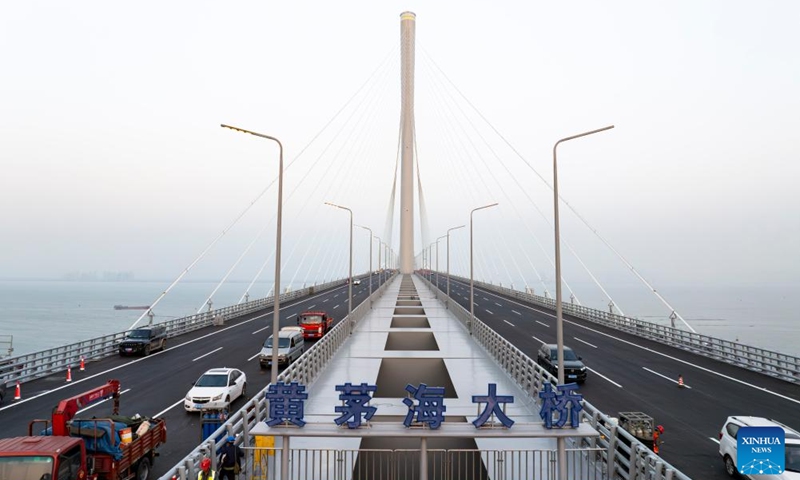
[{"x": 464, "y": 163}]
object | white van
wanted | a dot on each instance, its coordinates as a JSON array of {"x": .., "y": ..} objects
[{"x": 290, "y": 347}]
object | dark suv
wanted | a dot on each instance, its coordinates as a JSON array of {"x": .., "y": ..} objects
[
  {"x": 144, "y": 340},
  {"x": 574, "y": 369}
]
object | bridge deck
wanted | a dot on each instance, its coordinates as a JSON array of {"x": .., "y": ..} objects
[{"x": 365, "y": 356}]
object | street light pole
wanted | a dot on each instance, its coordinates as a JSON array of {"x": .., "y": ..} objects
[
  {"x": 370, "y": 262},
  {"x": 276, "y": 306},
  {"x": 350, "y": 278},
  {"x": 437, "y": 260},
  {"x": 471, "y": 270},
  {"x": 560, "y": 442},
  {"x": 448, "y": 261}
]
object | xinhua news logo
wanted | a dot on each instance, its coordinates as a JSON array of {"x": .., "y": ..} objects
[{"x": 760, "y": 450}]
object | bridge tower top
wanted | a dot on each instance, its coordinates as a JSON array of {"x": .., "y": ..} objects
[{"x": 407, "y": 31}]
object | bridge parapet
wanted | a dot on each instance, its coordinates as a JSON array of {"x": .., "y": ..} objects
[
  {"x": 768, "y": 362},
  {"x": 39, "y": 364}
]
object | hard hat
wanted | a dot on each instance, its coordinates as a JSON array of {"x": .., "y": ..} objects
[
  {"x": 231, "y": 438},
  {"x": 205, "y": 464},
  {"x": 660, "y": 429}
]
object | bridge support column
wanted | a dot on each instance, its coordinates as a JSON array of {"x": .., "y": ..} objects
[{"x": 407, "y": 32}]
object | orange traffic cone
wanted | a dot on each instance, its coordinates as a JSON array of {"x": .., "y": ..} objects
[
  {"x": 680, "y": 381},
  {"x": 83, "y": 366},
  {"x": 17, "y": 393},
  {"x": 69, "y": 373}
]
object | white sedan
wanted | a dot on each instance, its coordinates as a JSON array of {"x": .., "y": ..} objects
[
  {"x": 357, "y": 281},
  {"x": 216, "y": 390}
]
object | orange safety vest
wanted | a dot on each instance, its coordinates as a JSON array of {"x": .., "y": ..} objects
[{"x": 656, "y": 441}]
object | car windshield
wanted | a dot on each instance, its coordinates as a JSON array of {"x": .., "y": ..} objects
[
  {"x": 282, "y": 343},
  {"x": 139, "y": 334},
  {"x": 33, "y": 466},
  {"x": 793, "y": 458},
  {"x": 568, "y": 355},
  {"x": 311, "y": 319},
  {"x": 212, "y": 380}
]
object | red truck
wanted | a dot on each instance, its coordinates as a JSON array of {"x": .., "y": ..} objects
[
  {"x": 315, "y": 324},
  {"x": 72, "y": 449}
]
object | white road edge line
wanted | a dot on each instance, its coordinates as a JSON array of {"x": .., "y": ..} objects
[
  {"x": 509, "y": 323},
  {"x": 603, "y": 377},
  {"x": 207, "y": 354},
  {"x": 584, "y": 341},
  {"x": 685, "y": 362},
  {"x": 542, "y": 323},
  {"x": 664, "y": 377}
]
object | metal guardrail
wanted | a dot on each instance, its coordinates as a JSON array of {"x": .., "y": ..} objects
[
  {"x": 624, "y": 457},
  {"x": 305, "y": 369},
  {"x": 768, "y": 362},
  {"x": 39, "y": 364}
]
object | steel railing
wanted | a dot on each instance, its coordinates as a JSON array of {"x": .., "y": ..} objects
[
  {"x": 305, "y": 370},
  {"x": 39, "y": 364},
  {"x": 769, "y": 362}
]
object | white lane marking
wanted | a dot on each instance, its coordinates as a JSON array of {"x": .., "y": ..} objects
[
  {"x": 714, "y": 440},
  {"x": 336, "y": 306},
  {"x": 476, "y": 304},
  {"x": 161, "y": 413},
  {"x": 685, "y": 362},
  {"x": 254, "y": 356},
  {"x": 325, "y": 300},
  {"x": 312, "y": 307},
  {"x": 537, "y": 339},
  {"x": 516, "y": 312},
  {"x": 292, "y": 315},
  {"x": 603, "y": 377},
  {"x": 497, "y": 304},
  {"x": 584, "y": 341},
  {"x": 509, "y": 323},
  {"x": 260, "y": 330},
  {"x": 489, "y": 312},
  {"x": 207, "y": 354},
  {"x": 101, "y": 401},
  {"x": 486, "y": 299},
  {"x": 542, "y": 323},
  {"x": 664, "y": 377}
]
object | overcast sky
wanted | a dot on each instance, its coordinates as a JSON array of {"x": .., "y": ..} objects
[{"x": 113, "y": 159}]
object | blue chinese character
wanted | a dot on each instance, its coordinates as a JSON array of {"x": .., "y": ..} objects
[
  {"x": 563, "y": 400},
  {"x": 356, "y": 399},
  {"x": 286, "y": 403},
  {"x": 431, "y": 405},
  {"x": 492, "y": 402}
]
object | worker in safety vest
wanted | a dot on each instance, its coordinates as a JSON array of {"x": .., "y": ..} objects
[
  {"x": 657, "y": 438},
  {"x": 205, "y": 470}
]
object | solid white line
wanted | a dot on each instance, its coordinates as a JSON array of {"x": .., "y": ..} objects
[
  {"x": 489, "y": 312},
  {"x": 685, "y": 362},
  {"x": 207, "y": 354},
  {"x": 101, "y": 401},
  {"x": 714, "y": 440},
  {"x": 509, "y": 323},
  {"x": 516, "y": 312},
  {"x": 537, "y": 339},
  {"x": 542, "y": 323},
  {"x": 584, "y": 341},
  {"x": 664, "y": 377},
  {"x": 159, "y": 414},
  {"x": 603, "y": 377},
  {"x": 260, "y": 330}
]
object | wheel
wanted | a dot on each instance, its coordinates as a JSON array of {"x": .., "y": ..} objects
[
  {"x": 143, "y": 469},
  {"x": 730, "y": 467},
  {"x": 244, "y": 391},
  {"x": 163, "y": 344},
  {"x": 228, "y": 403},
  {"x": 146, "y": 350}
]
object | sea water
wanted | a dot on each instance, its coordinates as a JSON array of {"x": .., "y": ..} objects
[{"x": 45, "y": 314}]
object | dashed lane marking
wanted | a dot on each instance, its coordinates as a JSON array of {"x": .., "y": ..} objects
[
  {"x": 542, "y": 323},
  {"x": 509, "y": 323},
  {"x": 584, "y": 341},
  {"x": 514, "y": 311},
  {"x": 603, "y": 377},
  {"x": 207, "y": 354},
  {"x": 665, "y": 377}
]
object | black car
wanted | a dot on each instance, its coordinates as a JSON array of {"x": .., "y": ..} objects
[
  {"x": 144, "y": 340},
  {"x": 574, "y": 369}
]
